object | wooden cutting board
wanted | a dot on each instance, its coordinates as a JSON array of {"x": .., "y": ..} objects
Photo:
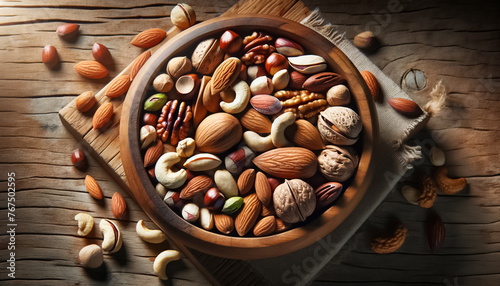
[{"x": 103, "y": 145}]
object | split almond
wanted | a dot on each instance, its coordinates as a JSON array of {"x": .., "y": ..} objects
[
  {"x": 118, "y": 86},
  {"x": 118, "y": 205},
  {"x": 248, "y": 216},
  {"x": 50, "y": 57},
  {"x": 373, "y": 85},
  {"x": 85, "y": 101},
  {"x": 93, "y": 188},
  {"x": 149, "y": 38},
  {"x": 91, "y": 69},
  {"x": 102, "y": 115},
  {"x": 138, "y": 63},
  {"x": 153, "y": 154},
  {"x": 265, "y": 226}
]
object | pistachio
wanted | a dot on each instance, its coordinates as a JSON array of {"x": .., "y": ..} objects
[
  {"x": 183, "y": 16},
  {"x": 232, "y": 205},
  {"x": 155, "y": 102}
]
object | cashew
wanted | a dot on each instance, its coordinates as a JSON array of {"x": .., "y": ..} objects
[
  {"x": 149, "y": 235},
  {"x": 258, "y": 143},
  {"x": 240, "y": 102},
  {"x": 164, "y": 173},
  {"x": 278, "y": 129},
  {"x": 85, "y": 223},
  {"x": 162, "y": 260},
  {"x": 448, "y": 185},
  {"x": 226, "y": 183},
  {"x": 91, "y": 256},
  {"x": 185, "y": 148},
  {"x": 112, "y": 236}
]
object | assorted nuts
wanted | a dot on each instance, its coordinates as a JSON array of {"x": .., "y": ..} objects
[
  {"x": 254, "y": 102},
  {"x": 112, "y": 236}
]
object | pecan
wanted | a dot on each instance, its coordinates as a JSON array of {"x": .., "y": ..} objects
[
  {"x": 391, "y": 243},
  {"x": 429, "y": 188},
  {"x": 257, "y": 48},
  {"x": 174, "y": 122},
  {"x": 302, "y": 103}
]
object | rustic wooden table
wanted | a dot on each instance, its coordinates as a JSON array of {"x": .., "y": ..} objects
[{"x": 456, "y": 43}]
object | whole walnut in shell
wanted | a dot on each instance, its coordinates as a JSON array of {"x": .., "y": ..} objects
[
  {"x": 294, "y": 201},
  {"x": 337, "y": 164},
  {"x": 339, "y": 125}
]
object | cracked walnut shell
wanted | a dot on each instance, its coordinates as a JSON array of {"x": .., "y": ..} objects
[
  {"x": 294, "y": 201},
  {"x": 337, "y": 164},
  {"x": 390, "y": 243}
]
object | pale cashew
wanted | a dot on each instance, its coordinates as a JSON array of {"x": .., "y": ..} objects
[
  {"x": 162, "y": 260},
  {"x": 240, "y": 102},
  {"x": 278, "y": 129},
  {"x": 226, "y": 183},
  {"x": 164, "y": 173},
  {"x": 149, "y": 235},
  {"x": 85, "y": 223},
  {"x": 257, "y": 142},
  {"x": 185, "y": 148},
  {"x": 112, "y": 236}
]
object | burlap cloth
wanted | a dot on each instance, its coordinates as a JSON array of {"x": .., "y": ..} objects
[{"x": 395, "y": 130}]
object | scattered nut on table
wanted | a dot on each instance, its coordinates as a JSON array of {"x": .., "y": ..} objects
[
  {"x": 162, "y": 260},
  {"x": 91, "y": 256},
  {"x": 149, "y": 235},
  {"x": 85, "y": 223},
  {"x": 112, "y": 236}
]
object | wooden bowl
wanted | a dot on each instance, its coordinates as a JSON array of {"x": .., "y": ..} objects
[{"x": 245, "y": 247}]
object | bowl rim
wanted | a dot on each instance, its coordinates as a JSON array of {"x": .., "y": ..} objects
[{"x": 213, "y": 243}]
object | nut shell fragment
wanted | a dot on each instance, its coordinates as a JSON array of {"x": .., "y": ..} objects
[{"x": 294, "y": 201}]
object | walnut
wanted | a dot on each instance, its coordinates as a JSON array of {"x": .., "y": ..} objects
[
  {"x": 337, "y": 164},
  {"x": 429, "y": 191},
  {"x": 391, "y": 243},
  {"x": 174, "y": 122},
  {"x": 294, "y": 201},
  {"x": 303, "y": 103}
]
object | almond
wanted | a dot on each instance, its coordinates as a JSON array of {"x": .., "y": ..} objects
[
  {"x": 256, "y": 121},
  {"x": 263, "y": 189},
  {"x": 435, "y": 232},
  {"x": 148, "y": 38},
  {"x": 265, "y": 226},
  {"x": 266, "y": 104},
  {"x": 197, "y": 185},
  {"x": 373, "y": 85},
  {"x": 118, "y": 205},
  {"x": 153, "y": 154},
  {"x": 248, "y": 215},
  {"x": 405, "y": 107},
  {"x": 246, "y": 181},
  {"x": 102, "y": 115},
  {"x": 304, "y": 134},
  {"x": 138, "y": 63},
  {"x": 225, "y": 74},
  {"x": 224, "y": 223},
  {"x": 267, "y": 210},
  {"x": 321, "y": 82},
  {"x": 93, "y": 187},
  {"x": 91, "y": 69},
  {"x": 102, "y": 54},
  {"x": 118, "y": 86},
  {"x": 281, "y": 225},
  {"x": 50, "y": 57},
  {"x": 67, "y": 30},
  {"x": 85, "y": 101},
  {"x": 217, "y": 133},
  {"x": 288, "y": 162}
]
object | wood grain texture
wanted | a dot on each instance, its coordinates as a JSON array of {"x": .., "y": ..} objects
[{"x": 456, "y": 43}]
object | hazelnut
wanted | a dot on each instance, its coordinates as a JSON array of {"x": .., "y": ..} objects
[
  {"x": 183, "y": 16},
  {"x": 78, "y": 159},
  {"x": 276, "y": 62},
  {"x": 187, "y": 86},
  {"x": 214, "y": 200},
  {"x": 163, "y": 83},
  {"x": 230, "y": 42},
  {"x": 179, "y": 66},
  {"x": 338, "y": 95},
  {"x": 149, "y": 119}
]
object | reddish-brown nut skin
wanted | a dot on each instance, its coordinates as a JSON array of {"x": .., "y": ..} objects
[
  {"x": 214, "y": 200},
  {"x": 102, "y": 54},
  {"x": 78, "y": 159},
  {"x": 273, "y": 182},
  {"x": 50, "y": 57},
  {"x": 276, "y": 62},
  {"x": 150, "y": 119},
  {"x": 327, "y": 193},
  {"x": 230, "y": 42}
]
